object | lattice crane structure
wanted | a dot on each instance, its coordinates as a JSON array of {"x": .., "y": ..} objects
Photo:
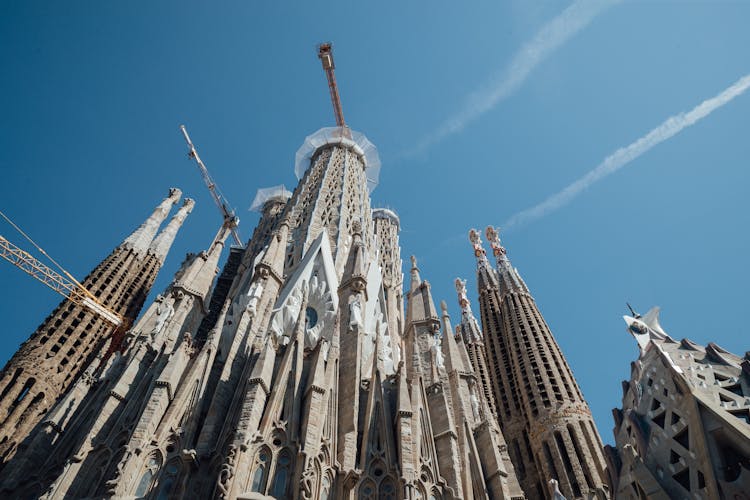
[
  {"x": 67, "y": 286},
  {"x": 231, "y": 221}
]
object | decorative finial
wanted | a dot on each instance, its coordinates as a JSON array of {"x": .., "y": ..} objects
[
  {"x": 444, "y": 307},
  {"x": 493, "y": 236},
  {"x": 632, "y": 311},
  {"x": 416, "y": 280},
  {"x": 463, "y": 299},
  {"x": 476, "y": 242}
]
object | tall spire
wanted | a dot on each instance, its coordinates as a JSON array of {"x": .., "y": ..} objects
[
  {"x": 61, "y": 348},
  {"x": 421, "y": 307},
  {"x": 198, "y": 274},
  {"x": 469, "y": 326},
  {"x": 416, "y": 280},
  {"x": 141, "y": 238},
  {"x": 161, "y": 244},
  {"x": 538, "y": 400},
  {"x": 485, "y": 276},
  {"x": 470, "y": 333},
  {"x": 509, "y": 275},
  {"x": 454, "y": 360}
]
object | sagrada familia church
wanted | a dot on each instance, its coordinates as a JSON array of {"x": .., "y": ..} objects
[{"x": 307, "y": 368}]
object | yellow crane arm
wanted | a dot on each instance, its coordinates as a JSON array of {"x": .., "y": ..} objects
[{"x": 62, "y": 285}]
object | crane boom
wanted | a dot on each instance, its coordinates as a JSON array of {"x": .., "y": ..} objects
[
  {"x": 230, "y": 219},
  {"x": 325, "y": 54},
  {"x": 57, "y": 282}
]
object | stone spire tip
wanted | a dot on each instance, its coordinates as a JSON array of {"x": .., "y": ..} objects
[
  {"x": 416, "y": 280},
  {"x": 493, "y": 236},
  {"x": 476, "y": 242}
]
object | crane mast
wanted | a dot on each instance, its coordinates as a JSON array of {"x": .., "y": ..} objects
[
  {"x": 325, "y": 54},
  {"x": 67, "y": 287},
  {"x": 231, "y": 221}
]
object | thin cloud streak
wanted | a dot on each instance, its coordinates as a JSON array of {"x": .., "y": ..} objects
[
  {"x": 548, "y": 39},
  {"x": 623, "y": 156}
]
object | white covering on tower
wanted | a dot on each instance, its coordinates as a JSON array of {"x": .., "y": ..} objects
[
  {"x": 263, "y": 195},
  {"x": 347, "y": 138}
]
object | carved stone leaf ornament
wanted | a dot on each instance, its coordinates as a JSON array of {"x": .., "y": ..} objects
[
  {"x": 320, "y": 301},
  {"x": 320, "y": 314}
]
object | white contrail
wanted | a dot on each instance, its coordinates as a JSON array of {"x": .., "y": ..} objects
[
  {"x": 620, "y": 158},
  {"x": 548, "y": 39}
]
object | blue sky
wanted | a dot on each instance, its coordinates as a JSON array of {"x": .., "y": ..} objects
[{"x": 92, "y": 95}]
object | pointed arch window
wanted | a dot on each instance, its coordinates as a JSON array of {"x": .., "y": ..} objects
[
  {"x": 367, "y": 490},
  {"x": 387, "y": 490},
  {"x": 168, "y": 480},
  {"x": 325, "y": 488},
  {"x": 147, "y": 477},
  {"x": 261, "y": 468},
  {"x": 281, "y": 478},
  {"x": 420, "y": 493}
]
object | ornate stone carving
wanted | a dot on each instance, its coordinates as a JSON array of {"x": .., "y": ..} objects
[
  {"x": 227, "y": 472},
  {"x": 253, "y": 297},
  {"x": 355, "y": 315},
  {"x": 437, "y": 351},
  {"x": 320, "y": 314},
  {"x": 493, "y": 236},
  {"x": 164, "y": 312}
]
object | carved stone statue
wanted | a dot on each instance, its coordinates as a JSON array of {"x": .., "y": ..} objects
[
  {"x": 254, "y": 294},
  {"x": 164, "y": 311},
  {"x": 474, "y": 401},
  {"x": 437, "y": 351},
  {"x": 355, "y": 315}
]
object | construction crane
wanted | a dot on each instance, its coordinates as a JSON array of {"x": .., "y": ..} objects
[
  {"x": 231, "y": 221},
  {"x": 67, "y": 286},
  {"x": 325, "y": 54}
]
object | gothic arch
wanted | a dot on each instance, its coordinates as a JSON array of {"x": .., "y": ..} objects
[
  {"x": 147, "y": 475},
  {"x": 282, "y": 474},
  {"x": 326, "y": 486},
  {"x": 260, "y": 469},
  {"x": 167, "y": 481},
  {"x": 367, "y": 490},
  {"x": 91, "y": 477},
  {"x": 387, "y": 489}
]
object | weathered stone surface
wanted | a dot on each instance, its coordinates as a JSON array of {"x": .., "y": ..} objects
[{"x": 61, "y": 348}]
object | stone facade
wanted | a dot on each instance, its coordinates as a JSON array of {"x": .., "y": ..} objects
[
  {"x": 298, "y": 375},
  {"x": 550, "y": 430},
  {"x": 684, "y": 427},
  {"x": 61, "y": 348}
]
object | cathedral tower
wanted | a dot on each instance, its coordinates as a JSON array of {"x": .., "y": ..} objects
[
  {"x": 59, "y": 350},
  {"x": 305, "y": 380},
  {"x": 468, "y": 332},
  {"x": 387, "y": 228},
  {"x": 540, "y": 406}
]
